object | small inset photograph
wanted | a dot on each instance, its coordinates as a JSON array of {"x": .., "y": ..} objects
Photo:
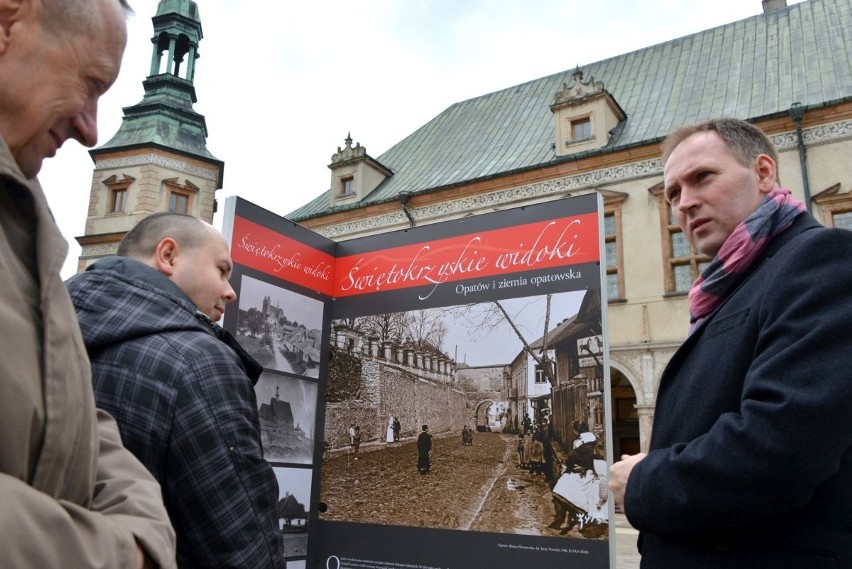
[
  {"x": 280, "y": 328},
  {"x": 294, "y": 493},
  {"x": 287, "y": 407}
]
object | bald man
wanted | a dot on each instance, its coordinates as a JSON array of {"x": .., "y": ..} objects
[{"x": 181, "y": 388}]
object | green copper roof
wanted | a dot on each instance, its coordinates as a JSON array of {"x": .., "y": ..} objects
[
  {"x": 185, "y": 8},
  {"x": 165, "y": 117},
  {"x": 753, "y": 68}
]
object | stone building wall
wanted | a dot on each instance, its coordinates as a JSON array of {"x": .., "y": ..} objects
[{"x": 368, "y": 383}]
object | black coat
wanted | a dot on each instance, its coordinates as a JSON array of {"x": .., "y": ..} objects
[
  {"x": 424, "y": 447},
  {"x": 751, "y": 452}
]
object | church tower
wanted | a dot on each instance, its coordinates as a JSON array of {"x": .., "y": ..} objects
[{"x": 158, "y": 160}]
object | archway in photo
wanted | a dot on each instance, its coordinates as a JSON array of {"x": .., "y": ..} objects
[{"x": 490, "y": 415}]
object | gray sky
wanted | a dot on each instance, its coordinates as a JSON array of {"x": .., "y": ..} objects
[
  {"x": 499, "y": 344},
  {"x": 296, "y": 481},
  {"x": 297, "y": 307},
  {"x": 282, "y": 83}
]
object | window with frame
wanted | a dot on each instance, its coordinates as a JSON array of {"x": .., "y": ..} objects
[
  {"x": 836, "y": 207},
  {"x": 118, "y": 201},
  {"x": 581, "y": 129},
  {"x": 681, "y": 261},
  {"x": 541, "y": 376},
  {"x": 347, "y": 186},
  {"x": 613, "y": 202},
  {"x": 180, "y": 196},
  {"x": 842, "y": 220},
  {"x": 178, "y": 202},
  {"x": 117, "y": 193}
]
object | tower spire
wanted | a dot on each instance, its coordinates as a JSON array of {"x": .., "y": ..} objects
[
  {"x": 177, "y": 32},
  {"x": 165, "y": 117},
  {"x": 158, "y": 160}
]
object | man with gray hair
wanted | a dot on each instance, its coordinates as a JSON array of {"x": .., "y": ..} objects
[
  {"x": 181, "y": 388},
  {"x": 72, "y": 495}
]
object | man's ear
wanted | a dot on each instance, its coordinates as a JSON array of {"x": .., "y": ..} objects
[
  {"x": 165, "y": 256},
  {"x": 767, "y": 173},
  {"x": 12, "y": 12}
]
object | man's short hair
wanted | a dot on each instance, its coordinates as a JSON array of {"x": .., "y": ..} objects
[
  {"x": 141, "y": 241},
  {"x": 745, "y": 141}
]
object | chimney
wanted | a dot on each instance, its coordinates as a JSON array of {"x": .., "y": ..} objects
[{"x": 772, "y": 5}]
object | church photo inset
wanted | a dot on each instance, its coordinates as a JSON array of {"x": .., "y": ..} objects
[
  {"x": 287, "y": 411},
  {"x": 281, "y": 329}
]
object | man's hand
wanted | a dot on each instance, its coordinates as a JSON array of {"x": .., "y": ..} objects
[{"x": 619, "y": 473}]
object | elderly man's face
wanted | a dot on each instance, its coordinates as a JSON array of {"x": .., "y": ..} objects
[
  {"x": 710, "y": 192},
  {"x": 58, "y": 81}
]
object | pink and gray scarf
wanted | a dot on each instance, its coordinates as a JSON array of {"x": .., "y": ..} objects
[{"x": 738, "y": 253}]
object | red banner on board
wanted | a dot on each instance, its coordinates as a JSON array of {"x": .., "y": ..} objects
[
  {"x": 541, "y": 245},
  {"x": 265, "y": 250}
]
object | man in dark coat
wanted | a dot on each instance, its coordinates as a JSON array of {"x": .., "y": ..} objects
[
  {"x": 424, "y": 450},
  {"x": 750, "y": 461},
  {"x": 181, "y": 388}
]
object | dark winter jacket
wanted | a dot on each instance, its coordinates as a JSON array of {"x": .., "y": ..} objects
[
  {"x": 751, "y": 452},
  {"x": 185, "y": 407}
]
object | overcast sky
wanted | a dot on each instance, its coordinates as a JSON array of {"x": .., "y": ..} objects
[
  {"x": 297, "y": 308},
  {"x": 468, "y": 341},
  {"x": 282, "y": 83}
]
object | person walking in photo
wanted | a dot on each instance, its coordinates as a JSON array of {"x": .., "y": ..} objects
[
  {"x": 356, "y": 441},
  {"x": 750, "y": 459},
  {"x": 389, "y": 436},
  {"x": 424, "y": 450}
]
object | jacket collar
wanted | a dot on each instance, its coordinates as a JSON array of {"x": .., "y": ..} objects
[
  {"x": 803, "y": 222},
  {"x": 51, "y": 246},
  {"x": 141, "y": 273},
  {"x": 8, "y": 166}
]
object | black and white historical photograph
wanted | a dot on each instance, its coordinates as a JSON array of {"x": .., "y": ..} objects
[
  {"x": 487, "y": 417},
  {"x": 281, "y": 329},
  {"x": 294, "y": 493},
  {"x": 287, "y": 407}
]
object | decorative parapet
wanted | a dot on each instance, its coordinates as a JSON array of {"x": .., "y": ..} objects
[
  {"x": 98, "y": 250},
  {"x": 158, "y": 160},
  {"x": 419, "y": 362},
  {"x": 502, "y": 198},
  {"x": 348, "y": 153},
  {"x": 813, "y": 136},
  {"x": 578, "y": 91}
]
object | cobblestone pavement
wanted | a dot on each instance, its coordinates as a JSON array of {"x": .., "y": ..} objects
[
  {"x": 477, "y": 487},
  {"x": 626, "y": 556}
]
